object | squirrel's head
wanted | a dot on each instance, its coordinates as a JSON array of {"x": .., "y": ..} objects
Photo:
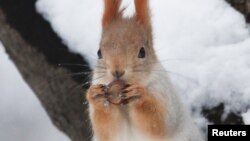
[{"x": 126, "y": 48}]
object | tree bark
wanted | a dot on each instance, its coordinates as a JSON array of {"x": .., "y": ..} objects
[{"x": 61, "y": 96}]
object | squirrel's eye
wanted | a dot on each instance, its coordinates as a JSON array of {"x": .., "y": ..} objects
[
  {"x": 142, "y": 53},
  {"x": 99, "y": 53}
]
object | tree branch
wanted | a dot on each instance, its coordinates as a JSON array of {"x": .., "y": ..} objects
[{"x": 242, "y": 6}]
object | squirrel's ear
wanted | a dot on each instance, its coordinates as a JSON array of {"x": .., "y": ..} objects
[
  {"x": 111, "y": 11},
  {"x": 142, "y": 12}
]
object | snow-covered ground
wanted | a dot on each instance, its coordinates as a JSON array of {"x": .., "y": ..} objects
[
  {"x": 246, "y": 117},
  {"x": 22, "y": 117},
  {"x": 204, "y": 43}
]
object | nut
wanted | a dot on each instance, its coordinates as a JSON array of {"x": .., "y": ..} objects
[{"x": 114, "y": 91}]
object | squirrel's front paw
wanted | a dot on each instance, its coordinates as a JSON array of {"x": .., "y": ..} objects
[
  {"x": 96, "y": 95},
  {"x": 133, "y": 93}
]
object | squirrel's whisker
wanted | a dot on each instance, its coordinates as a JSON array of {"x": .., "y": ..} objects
[
  {"x": 80, "y": 65},
  {"x": 81, "y": 73},
  {"x": 160, "y": 61},
  {"x": 86, "y": 73},
  {"x": 169, "y": 72}
]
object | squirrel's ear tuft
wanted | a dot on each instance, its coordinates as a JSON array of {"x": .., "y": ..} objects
[
  {"x": 111, "y": 11},
  {"x": 142, "y": 12}
]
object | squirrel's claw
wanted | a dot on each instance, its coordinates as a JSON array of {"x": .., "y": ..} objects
[
  {"x": 96, "y": 94},
  {"x": 132, "y": 93}
]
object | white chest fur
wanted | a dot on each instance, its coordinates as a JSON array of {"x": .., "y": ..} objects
[{"x": 179, "y": 125}]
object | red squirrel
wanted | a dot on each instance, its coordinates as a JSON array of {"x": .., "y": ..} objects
[{"x": 149, "y": 109}]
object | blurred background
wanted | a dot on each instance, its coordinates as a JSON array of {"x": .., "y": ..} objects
[{"x": 44, "y": 42}]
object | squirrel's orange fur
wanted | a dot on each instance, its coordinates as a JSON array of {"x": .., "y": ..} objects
[
  {"x": 153, "y": 111},
  {"x": 147, "y": 113},
  {"x": 142, "y": 11},
  {"x": 111, "y": 11}
]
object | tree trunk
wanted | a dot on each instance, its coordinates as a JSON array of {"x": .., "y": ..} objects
[{"x": 60, "y": 95}]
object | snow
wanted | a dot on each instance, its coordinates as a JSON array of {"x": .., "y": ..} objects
[
  {"x": 205, "y": 44},
  {"x": 246, "y": 117},
  {"x": 22, "y": 116}
]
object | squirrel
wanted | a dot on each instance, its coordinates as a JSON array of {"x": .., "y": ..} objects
[{"x": 149, "y": 108}]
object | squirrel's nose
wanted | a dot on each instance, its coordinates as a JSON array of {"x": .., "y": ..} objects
[{"x": 118, "y": 74}]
